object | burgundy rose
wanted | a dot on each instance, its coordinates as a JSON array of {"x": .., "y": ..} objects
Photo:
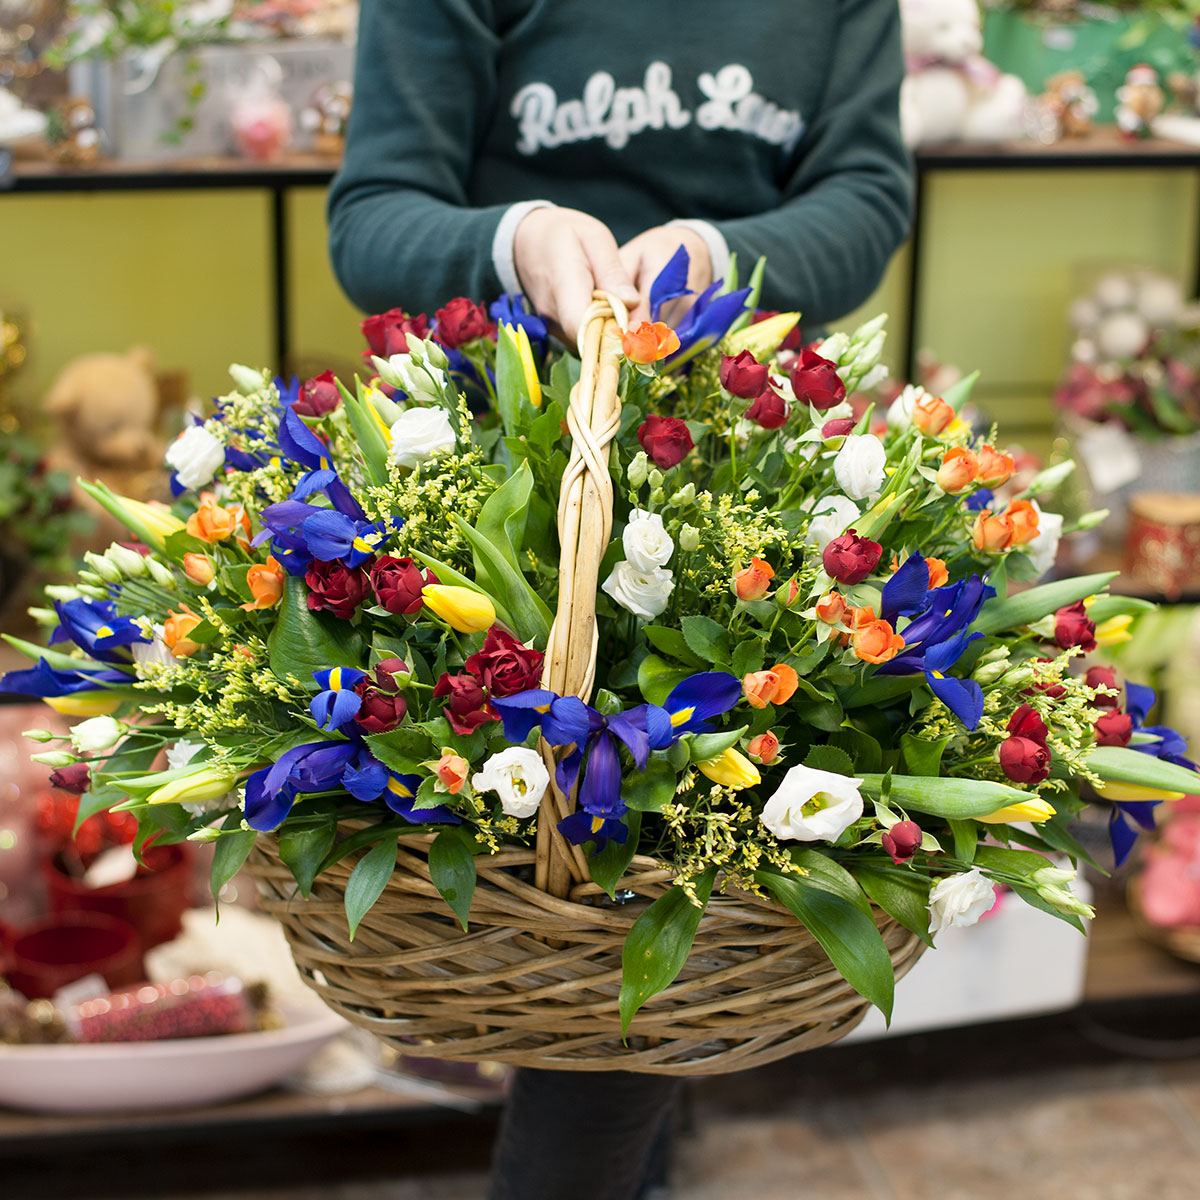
[
  {"x": 743, "y": 375},
  {"x": 1113, "y": 729},
  {"x": 850, "y": 558},
  {"x": 1023, "y": 760},
  {"x": 837, "y": 428},
  {"x": 666, "y": 440},
  {"x": 384, "y": 675},
  {"x": 504, "y": 666},
  {"x": 319, "y": 396},
  {"x": 461, "y": 321},
  {"x": 387, "y": 333},
  {"x": 76, "y": 778},
  {"x": 380, "y": 711},
  {"x": 815, "y": 380},
  {"x": 770, "y": 410},
  {"x": 1105, "y": 677},
  {"x": 1073, "y": 628},
  {"x": 468, "y": 706},
  {"x": 902, "y": 841},
  {"x": 1026, "y": 723},
  {"x": 397, "y": 584},
  {"x": 335, "y": 588}
]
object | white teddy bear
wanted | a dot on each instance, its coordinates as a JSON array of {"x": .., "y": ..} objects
[{"x": 952, "y": 93}]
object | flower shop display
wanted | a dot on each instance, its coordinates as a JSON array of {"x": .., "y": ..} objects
[
  {"x": 1139, "y": 101},
  {"x": 679, "y": 788}
]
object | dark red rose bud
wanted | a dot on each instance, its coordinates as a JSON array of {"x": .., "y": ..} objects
[
  {"x": 666, "y": 440},
  {"x": 1113, "y": 729},
  {"x": 743, "y": 375},
  {"x": 850, "y": 558},
  {"x": 1073, "y": 628},
  {"x": 770, "y": 410},
  {"x": 504, "y": 666},
  {"x": 837, "y": 428},
  {"x": 319, "y": 396},
  {"x": 139, "y": 547},
  {"x": 384, "y": 675},
  {"x": 1105, "y": 677},
  {"x": 335, "y": 588},
  {"x": 1023, "y": 760},
  {"x": 387, "y": 333},
  {"x": 1055, "y": 691},
  {"x": 381, "y": 711},
  {"x": 902, "y": 841},
  {"x": 461, "y": 321},
  {"x": 1026, "y": 723},
  {"x": 815, "y": 381},
  {"x": 468, "y": 706},
  {"x": 76, "y": 778},
  {"x": 397, "y": 584}
]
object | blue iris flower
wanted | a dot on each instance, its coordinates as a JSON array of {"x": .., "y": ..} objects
[
  {"x": 707, "y": 321},
  {"x": 513, "y": 309},
  {"x": 93, "y": 625},
  {"x": 298, "y": 443},
  {"x": 1121, "y": 833},
  {"x": 670, "y": 283},
  {"x": 42, "y": 680},
  {"x": 300, "y": 532},
  {"x": 979, "y": 500},
  {"x": 690, "y": 707},
  {"x": 337, "y": 702}
]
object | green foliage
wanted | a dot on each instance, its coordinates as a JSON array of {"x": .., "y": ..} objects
[
  {"x": 452, "y": 869},
  {"x": 368, "y": 879}
]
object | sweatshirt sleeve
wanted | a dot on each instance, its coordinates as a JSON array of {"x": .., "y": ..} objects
[
  {"x": 848, "y": 205},
  {"x": 401, "y": 229}
]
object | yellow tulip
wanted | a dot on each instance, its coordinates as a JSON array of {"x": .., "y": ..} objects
[
  {"x": 1114, "y": 631},
  {"x": 460, "y": 607},
  {"x": 524, "y": 350},
  {"x": 732, "y": 770},
  {"x": 158, "y": 522},
  {"x": 1132, "y": 792},
  {"x": 84, "y": 704},
  {"x": 763, "y": 338},
  {"x": 1034, "y": 809},
  {"x": 209, "y": 783}
]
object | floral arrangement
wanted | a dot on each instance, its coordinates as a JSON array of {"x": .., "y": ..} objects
[{"x": 819, "y": 679}]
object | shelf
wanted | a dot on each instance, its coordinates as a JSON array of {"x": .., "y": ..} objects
[{"x": 1103, "y": 147}]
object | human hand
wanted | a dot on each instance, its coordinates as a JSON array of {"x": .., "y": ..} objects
[
  {"x": 645, "y": 256},
  {"x": 562, "y": 255}
]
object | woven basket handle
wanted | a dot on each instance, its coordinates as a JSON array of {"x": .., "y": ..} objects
[{"x": 585, "y": 516}]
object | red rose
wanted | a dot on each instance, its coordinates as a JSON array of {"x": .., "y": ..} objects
[
  {"x": 902, "y": 841},
  {"x": 335, "y": 588},
  {"x": 397, "y": 583},
  {"x": 461, "y": 321},
  {"x": 815, "y": 381},
  {"x": 318, "y": 396},
  {"x": 1105, "y": 677},
  {"x": 384, "y": 675},
  {"x": 770, "y": 410},
  {"x": 504, "y": 666},
  {"x": 1023, "y": 760},
  {"x": 743, "y": 375},
  {"x": 850, "y": 558},
  {"x": 666, "y": 440},
  {"x": 1073, "y": 628},
  {"x": 837, "y": 428},
  {"x": 76, "y": 778},
  {"x": 380, "y": 711},
  {"x": 1113, "y": 729},
  {"x": 1055, "y": 691},
  {"x": 1026, "y": 723},
  {"x": 387, "y": 333},
  {"x": 468, "y": 707}
]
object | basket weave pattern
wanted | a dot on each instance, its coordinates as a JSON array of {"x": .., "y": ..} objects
[{"x": 535, "y": 980}]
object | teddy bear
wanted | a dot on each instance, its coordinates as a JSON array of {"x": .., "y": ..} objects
[{"x": 951, "y": 92}]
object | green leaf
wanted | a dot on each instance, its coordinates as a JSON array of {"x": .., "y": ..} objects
[
  {"x": 863, "y": 749},
  {"x": 650, "y": 790},
  {"x": 957, "y": 395},
  {"x": 707, "y": 639},
  {"x": 848, "y": 936},
  {"x": 1011, "y": 862},
  {"x": 230, "y": 853},
  {"x": 966, "y": 838},
  {"x": 369, "y": 436},
  {"x": 657, "y": 678},
  {"x": 658, "y": 945},
  {"x": 901, "y": 894},
  {"x": 823, "y": 872},
  {"x": 56, "y": 658},
  {"x": 512, "y": 392},
  {"x": 948, "y": 797},
  {"x": 304, "y": 850},
  {"x": 879, "y": 690},
  {"x": 304, "y": 641},
  {"x": 829, "y": 758},
  {"x": 748, "y": 657},
  {"x": 452, "y": 869},
  {"x": 923, "y": 757},
  {"x": 820, "y": 714},
  {"x": 502, "y": 518},
  {"x": 610, "y": 864},
  {"x": 179, "y": 543},
  {"x": 1105, "y": 607},
  {"x": 706, "y": 746},
  {"x": 404, "y": 749},
  {"x": 1119, "y": 764},
  {"x": 672, "y": 642},
  {"x": 368, "y": 879},
  {"x": 530, "y": 613},
  {"x": 1032, "y": 605}
]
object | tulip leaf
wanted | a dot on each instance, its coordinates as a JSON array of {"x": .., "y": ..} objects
[
  {"x": 303, "y": 850},
  {"x": 921, "y": 756},
  {"x": 368, "y": 879},
  {"x": 503, "y": 516},
  {"x": 609, "y": 865},
  {"x": 304, "y": 641},
  {"x": 966, "y": 839},
  {"x": 369, "y": 433},
  {"x": 956, "y": 799},
  {"x": 704, "y": 747},
  {"x": 1119, "y": 764},
  {"x": 452, "y": 869},
  {"x": 650, "y": 790},
  {"x": 531, "y": 615},
  {"x": 1032, "y": 605},
  {"x": 822, "y": 871},
  {"x": 959, "y": 393},
  {"x": 901, "y": 893},
  {"x": 658, "y": 945},
  {"x": 1105, "y": 607},
  {"x": 57, "y": 659}
]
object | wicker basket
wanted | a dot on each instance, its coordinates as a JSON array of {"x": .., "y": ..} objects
[{"x": 535, "y": 979}]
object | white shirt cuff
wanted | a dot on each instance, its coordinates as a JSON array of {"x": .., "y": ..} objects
[
  {"x": 503, "y": 258},
  {"x": 714, "y": 239}
]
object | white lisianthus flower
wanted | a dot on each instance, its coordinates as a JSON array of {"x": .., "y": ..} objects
[
  {"x": 647, "y": 543},
  {"x": 838, "y": 412},
  {"x": 960, "y": 900},
  {"x": 899, "y": 415},
  {"x": 1043, "y": 550},
  {"x": 813, "y": 806},
  {"x": 182, "y": 753},
  {"x": 155, "y": 652},
  {"x": 832, "y": 517},
  {"x": 643, "y": 593},
  {"x": 420, "y": 380},
  {"x": 195, "y": 456},
  {"x": 861, "y": 465},
  {"x": 518, "y": 776},
  {"x": 421, "y": 434},
  {"x": 97, "y": 734}
]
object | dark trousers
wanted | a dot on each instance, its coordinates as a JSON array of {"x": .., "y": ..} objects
[{"x": 580, "y": 1135}]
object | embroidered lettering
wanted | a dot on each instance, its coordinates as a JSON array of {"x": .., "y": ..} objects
[{"x": 734, "y": 104}]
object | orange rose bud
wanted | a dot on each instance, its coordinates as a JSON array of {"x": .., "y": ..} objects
[
  {"x": 994, "y": 468},
  {"x": 752, "y": 582},
  {"x": 452, "y": 770},
  {"x": 958, "y": 470},
  {"x": 764, "y": 748},
  {"x": 212, "y": 523},
  {"x": 649, "y": 342},
  {"x": 932, "y": 415},
  {"x": 831, "y": 608},
  {"x": 199, "y": 568},
  {"x": 876, "y": 641},
  {"x": 265, "y": 581},
  {"x": 991, "y": 532},
  {"x": 1024, "y": 520},
  {"x": 176, "y": 629},
  {"x": 793, "y": 591},
  {"x": 938, "y": 575},
  {"x": 760, "y": 688}
]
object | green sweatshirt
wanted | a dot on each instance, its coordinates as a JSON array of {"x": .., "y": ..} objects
[{"x": 771, "y": 127}]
